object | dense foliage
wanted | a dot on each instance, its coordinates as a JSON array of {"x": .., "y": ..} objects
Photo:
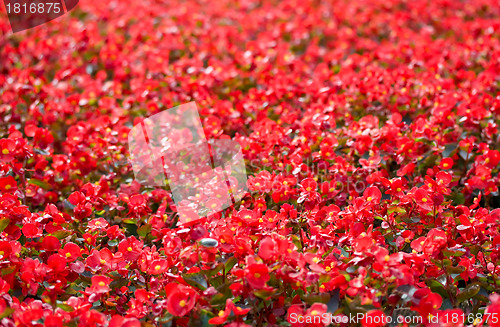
[{"x": 370, "y": 133}]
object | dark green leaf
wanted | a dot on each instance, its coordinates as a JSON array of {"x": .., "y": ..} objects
[
  {"x": 144, "y": 230},
  {"x": 213, "y": 271},
  {"x": 316, "y": 298},
  {"x": 196, "y": 280},
  {"x": 455, "y": 270},
  {"x": 4, "y": 223},
  {"x": 7, "y": 312},
  {"x": 65, "y": 307},
  {"x": 437, "y": 287},
  {"x": 42, "y": 184},
  {"x": 61, "y": 234},
  {"x": 230, "y": 263},
  {"x": 8, "y": 270},
  {"x": 468, "y": 292},
  {"x": 263, "y": 294}
]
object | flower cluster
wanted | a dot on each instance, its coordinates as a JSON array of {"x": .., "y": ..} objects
[{"x": 370, "y": 135}]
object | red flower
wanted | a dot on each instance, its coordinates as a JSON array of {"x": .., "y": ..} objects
[
  {"x": 5, "y": 250},
  {"x": 51, "y": 243},
  {"x": 7, "y": 148},
  {"x": 446, "y": 163},
  {"x": 426, "y": 303},
  {"x": 31, "y": 231},
  {"x": 267, "y": 248},
  {"x": 158, "y": 267},
  {"x": 53, "y": 320},
  {"x": 98, "y": 223},
  {"x": 100, "y": 284},
  {"x": 494, "y": 310},
  {"x": 372, "y": 195},
  {"x": 224, "y": 314},
  {"x": 257, "y": 275},
  {"x": 103, "y": 259},
  {"x": 57, "y": 262},
  {"x": 453, "y": 318},
  {"x": 435, "y": 241},
  {"x": 316, "y": 312},
  {"x": 374, "y": 318},
  {"x": 70, "y": 251},
  {"x": 295, "y": 316},
  {"x": 423, "y": 199},
  {"x": 119, "y": 321},
  {"x": 308, "y": 185},
  {"x": 138, "y": 206},
  {"x": 180, "y": 299},
  {"x": 8, "y": 184},
  {"x": 248, "y": 217},
  {"x": 131, "y": 248}
]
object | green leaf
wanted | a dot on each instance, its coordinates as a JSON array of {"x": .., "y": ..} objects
[
  {"x": 166, "y": 318},
  {"x": 316, "y": 298},
  {"x": 447, "y": 262},
  {"x": 7, "y": 312},
  {"x": 455, "y": 270},
  {"x": 4, "y": 223},
  {"x": 296, "y": 241},
  {"x": 263, "y": 294},
  {"x": 468, "y": 292},
  {"x": 144, "y": 230},
  {"x": 61, "y": 234},
  {"x": 65, "y": 307},
  {"x": 397, "y": 209},
  {"x": 196, "y": 280},
  {"x": 130, "y": 221},
  {"x": 230, "y": 263},
  {"x": 201, "y": 320},
  {"x": 213, "y": 271},
  {"x": 217, "y": 281},
  {"x": 454, "y": 252},
  {"x": 8, "y": 270},
  {"x": 42, "y": 184},
  {"x": 458, "y": 198},
  {"x": 437, "y": 287}
]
